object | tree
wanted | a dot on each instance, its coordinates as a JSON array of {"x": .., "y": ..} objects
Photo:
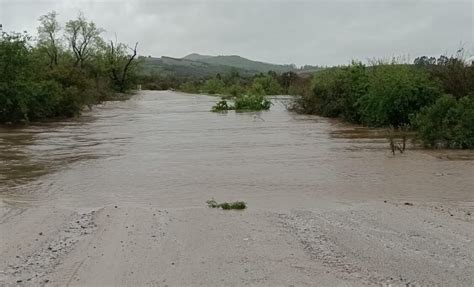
[
  {"x": 442, "y": 60},
  {"x": 83, "y": 38},
  {"x": 14, "y": 75},
  {"x": 453, "y": 72},
  {"x": 286, "y": 80},
  {"x": 424, "y": 61},
  {"x": 48, "y": 38},
  {"x": 120, "y": 64}
]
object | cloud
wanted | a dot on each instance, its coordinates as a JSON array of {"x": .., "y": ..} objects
[{"x": 301, "y": 32}]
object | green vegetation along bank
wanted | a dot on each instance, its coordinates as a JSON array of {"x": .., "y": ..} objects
[
  {"x": 233, "y": 84},
  {"x": 66, "y": 68},
  {"x": 434, "y": 97}
]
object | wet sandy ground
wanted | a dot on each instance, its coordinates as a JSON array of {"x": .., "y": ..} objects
[{"x": 118, "y": 198}]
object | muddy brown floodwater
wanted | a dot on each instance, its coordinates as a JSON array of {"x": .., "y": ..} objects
[{"x": 117, "y": 197}]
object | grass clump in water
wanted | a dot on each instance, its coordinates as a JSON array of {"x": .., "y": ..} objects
[
  {"x": 243, "y": 103},
  {"x": 221, "y": 106},
  {"x": 226, "y": 205}
]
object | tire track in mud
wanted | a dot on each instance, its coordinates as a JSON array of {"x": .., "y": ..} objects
[
  {"x": 33, "y": 269},
  {"x": 10, "y": 213},
  {"x": 375, "y": 245},
  {"x": 321, "y": 248}
]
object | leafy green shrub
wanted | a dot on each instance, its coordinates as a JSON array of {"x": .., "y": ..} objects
[
  {"x": 15, "y": 77},
  {"x": 252, "y": 103},
  {"x": 256, "y": 89},
  {"x": 267, "y": 85},
  {"x": 329, "y": 89},
  {"x": 43, "y": 100},
  {"x": 395, "y": 94},
  {"x": 454, "y": 74},
  {"x": 356, "y": 87},
  {"x": 213, "y": 86},
  {"x": 399, "y": 96},
  {"x": 335, "y": 93},
  {"x": 189, "y": 87},
  {"x": 381, "y": 95},
  {"x": 447, "y": 123},
  {"x": 300, "y": 87},
  {"x": 70, "y": 104},
  {"x": 235, "y": 90},
  {"x": 221, "y": 106}
]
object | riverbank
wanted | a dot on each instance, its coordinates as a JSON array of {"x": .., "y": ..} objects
[{"x": 118, "y": 197}]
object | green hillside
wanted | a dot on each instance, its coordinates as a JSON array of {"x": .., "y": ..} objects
[
  {"x": 198, "y": 66},
  {"x": 196, "y": 57},
  {"x": 183, "y": 68},
  {"x": 241, "y": 63}
]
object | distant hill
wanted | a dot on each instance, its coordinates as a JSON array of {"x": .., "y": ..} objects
[
  {"x": 241, "y": 63},
  {"x": 196, "y": 57},
  {"x": 203, "y": 66},
  {"x": 183, "y": 68}
]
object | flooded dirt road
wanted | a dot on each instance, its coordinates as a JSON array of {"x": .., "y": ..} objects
[{"x": 117, "y": 197}]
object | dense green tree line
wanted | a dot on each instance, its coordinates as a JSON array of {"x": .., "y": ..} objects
[
  {"x": 434, "y": 97},
  {"x": 233, "y": 84},
  {"x": 62, "y": 70}
]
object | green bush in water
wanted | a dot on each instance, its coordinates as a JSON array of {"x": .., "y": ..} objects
[
  {"x": 252, "y": 103},
  {"x": 395, "y": 94},
  {"x": 447, "y": 123},
  {"x": 235, "y": 90},
  {"x": 221, "y": 106},
  {"x": 335, "y": 93},
  {"x": 380, "y": 95}
]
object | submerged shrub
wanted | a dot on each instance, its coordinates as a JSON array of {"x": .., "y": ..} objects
[
  {"x": 235, "y": 90},
  {"x": 398, "y": 96},
  {"x": 329, "y": 88},
  {"x": 221, "y": 106},
  {"x": 381, "y": 95},
  {"x": 395, "y": 94},
  {"x": 252, "y": 103},
  {"x": 335, "y": 93},
  {"x": 447, "y": 123}
]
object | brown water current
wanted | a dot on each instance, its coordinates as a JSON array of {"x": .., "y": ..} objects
[{"x": 167, "y": 150}]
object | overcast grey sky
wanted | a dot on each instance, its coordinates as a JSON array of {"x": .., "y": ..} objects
[{"x": 300, "y": 32}]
